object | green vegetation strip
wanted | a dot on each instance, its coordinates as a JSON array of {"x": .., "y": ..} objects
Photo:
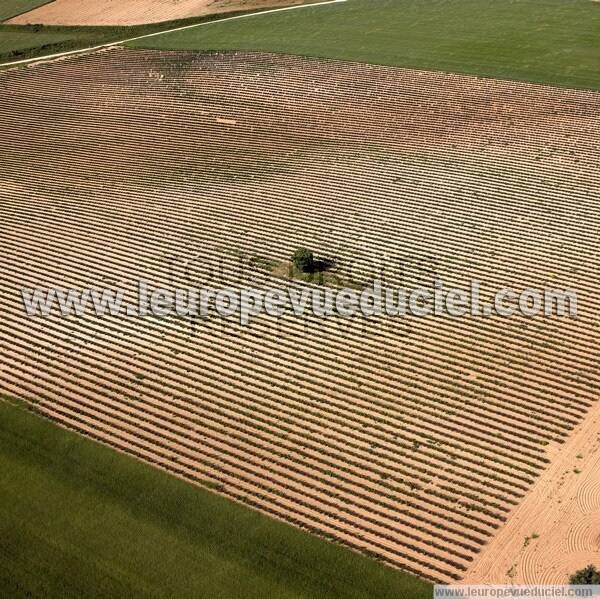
[
  {"x": 23, "y": 41},
  {"x": 78, "y": 519},
  {"x": 548, "y": 41}
]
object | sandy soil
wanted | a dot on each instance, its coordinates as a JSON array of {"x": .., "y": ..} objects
[
  {"x": 135, "y": 12},
  {"x": 563, "y": 508}
]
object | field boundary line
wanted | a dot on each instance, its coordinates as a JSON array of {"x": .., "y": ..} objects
[{"x": 182, "y": 28}]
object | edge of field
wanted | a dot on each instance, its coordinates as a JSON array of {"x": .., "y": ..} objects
[
  {"x": 549, "y": 43},
  {"x": 77, "y": 514}
]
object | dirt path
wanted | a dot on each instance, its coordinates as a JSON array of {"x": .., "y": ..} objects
[
  {"x": 563, "y": 508},
  {"x": 136, "y": 12}
]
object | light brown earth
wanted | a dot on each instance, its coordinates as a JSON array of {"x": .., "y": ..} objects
[
  {"x": 136, "y": 12},
  {"x": 411, "y": 439},
  {"x": 555, "y": 531}
]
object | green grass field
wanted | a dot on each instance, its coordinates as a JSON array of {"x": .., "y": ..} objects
[
  {"x": 12, "y": 8},
  {"x": 78, "y": 519},
  {"x": 548, "y": 41}
]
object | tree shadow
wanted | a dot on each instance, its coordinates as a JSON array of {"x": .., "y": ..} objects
[{"x": 323, "y": 265}]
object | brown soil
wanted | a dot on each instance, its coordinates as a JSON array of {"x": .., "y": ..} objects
[{"x": 136, "y": 12}]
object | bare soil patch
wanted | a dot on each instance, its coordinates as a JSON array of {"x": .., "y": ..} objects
[
  {"x": 136, "y": 12},
  {"x": 555, "y": 531}
]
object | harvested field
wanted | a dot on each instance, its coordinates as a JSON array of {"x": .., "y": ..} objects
[
  {"x": 136, "y": 12},
  {"x": 413, "y": 440}
]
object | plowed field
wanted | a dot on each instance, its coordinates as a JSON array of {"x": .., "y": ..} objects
[{"x": 413, "y": 439}]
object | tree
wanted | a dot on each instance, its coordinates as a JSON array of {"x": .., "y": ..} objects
[
  {"x": 589, "y": 575},
  {"x": 304, "y": 260}
]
